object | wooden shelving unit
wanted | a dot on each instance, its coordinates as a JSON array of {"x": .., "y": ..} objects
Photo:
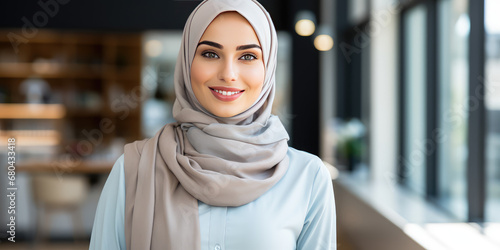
[
  {"x": 91, "y": 77},
  {"x": 31, "y": 111}
]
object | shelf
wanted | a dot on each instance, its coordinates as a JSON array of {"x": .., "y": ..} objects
[
  {"x": 50, "y": 70},
  {"x": 32, "y": 137},
  {"x": 47, "y": 36},
  {"x": 85, "y": 167},
  {"x": 86, "y": 73},
  {"x": 82, "y": 112},
  {"x": 32, "y": 111}
]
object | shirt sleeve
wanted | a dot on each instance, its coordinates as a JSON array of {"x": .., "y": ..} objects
[
  {"x": 108, "y": 232},
  {"x": 319, "y": 230}
]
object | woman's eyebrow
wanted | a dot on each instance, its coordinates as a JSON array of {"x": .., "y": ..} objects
[
  {"x": 209, "y": 43},
  {"x": 248, "y": 46},
  {"x": 219, "y": 46}
]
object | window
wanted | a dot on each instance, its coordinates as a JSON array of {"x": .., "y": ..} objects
[
  {"x": 453, "y": 75},
  {"x": 414, "y": 92},
  {"x": 450, "y": 97},
  {"x": 492, "y": 103}
]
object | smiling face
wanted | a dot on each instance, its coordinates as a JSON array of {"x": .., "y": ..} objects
[{"x": 227, "y": 73}]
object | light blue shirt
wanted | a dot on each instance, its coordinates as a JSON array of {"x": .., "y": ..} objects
[{"x": 296, "y": 213}]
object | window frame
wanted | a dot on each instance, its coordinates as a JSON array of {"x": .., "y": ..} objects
[
  {"x": 476, "y": 131},
  {"x": 476, "y": 162}
]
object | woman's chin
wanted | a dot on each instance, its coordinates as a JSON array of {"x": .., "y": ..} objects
[{"x": 226, "y": 113}]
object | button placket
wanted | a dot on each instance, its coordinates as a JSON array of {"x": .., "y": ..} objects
[{"x": 217, "y": 227}]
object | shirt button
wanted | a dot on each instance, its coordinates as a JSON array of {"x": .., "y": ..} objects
[{"x": 217, "y": 247}]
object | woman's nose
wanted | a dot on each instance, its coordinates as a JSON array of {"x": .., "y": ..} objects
[{"x": 228, "y": 71}]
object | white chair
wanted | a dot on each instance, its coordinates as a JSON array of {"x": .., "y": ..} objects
[{"x": 59, "y": 193}]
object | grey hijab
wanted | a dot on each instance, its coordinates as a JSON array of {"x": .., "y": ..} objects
[{"x": 219, "y": 161}]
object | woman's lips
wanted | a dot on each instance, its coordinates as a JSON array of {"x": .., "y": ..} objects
[{"x": 226, "y": 94}]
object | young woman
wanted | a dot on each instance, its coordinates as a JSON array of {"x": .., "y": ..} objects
[{"x": 222, "y": 176}]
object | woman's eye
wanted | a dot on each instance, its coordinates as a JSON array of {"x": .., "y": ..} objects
[
  {"x": 210, "y": 55},
  {"x": 248, "y": 57}
]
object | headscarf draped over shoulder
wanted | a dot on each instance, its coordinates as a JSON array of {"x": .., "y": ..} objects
[{"x": 219, "y": 161}]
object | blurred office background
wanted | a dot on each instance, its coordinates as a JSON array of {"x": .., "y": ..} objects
[{"x": 401, "y": 96}]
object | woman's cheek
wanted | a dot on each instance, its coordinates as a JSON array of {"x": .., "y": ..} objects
[
  {"x": 199, "y": 73},
  {"x": 255, "y": 77},
  {"x": 259, "y": 79}
]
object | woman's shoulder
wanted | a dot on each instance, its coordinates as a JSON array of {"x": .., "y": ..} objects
[
  {"x": 302, "y": 157},
  {"x": 305, "y": 163},
  {"x": 117, "y": 169},
  {"x": 119, "y": 161}
]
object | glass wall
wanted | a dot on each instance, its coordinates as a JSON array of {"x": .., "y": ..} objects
[
  {"x": 436, "y": 103},
  {"x": 453, "y": 71},
  {"x": 492, "y": 102},
  {"x": 415, "y": 97}
]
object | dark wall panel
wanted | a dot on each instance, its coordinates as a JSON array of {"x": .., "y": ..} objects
[{"x": 123, "y": 15}]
